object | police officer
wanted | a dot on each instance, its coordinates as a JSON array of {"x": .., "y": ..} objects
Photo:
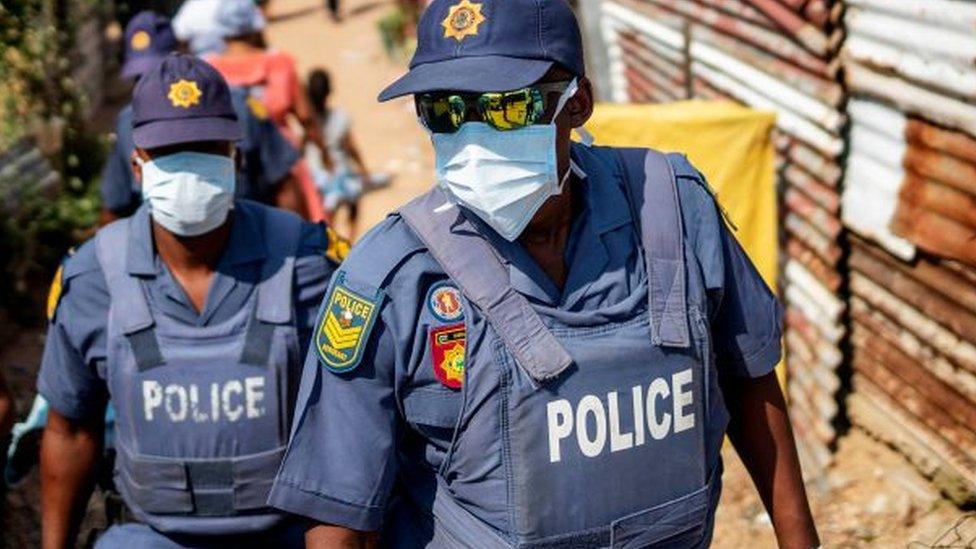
[
  {"x": 148, "y": 38},
  {"x": 190, "y": 317},
  {"x": 267, "y": 157},
  {"x": 545, "y": 350}
]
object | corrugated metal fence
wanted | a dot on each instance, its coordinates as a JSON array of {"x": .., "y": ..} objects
[
  {"x": 876, "y": 104},
  {"x": 910, "y": 197}
]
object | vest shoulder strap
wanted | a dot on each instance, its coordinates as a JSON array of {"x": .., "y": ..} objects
[
  {"x": 653, "y": 194},
  {"x": 471, "y": 262},
  {"x": 129, "y": 305},
  {"x": 282, "y": 236},
  {"x": 111, "y": 249}
]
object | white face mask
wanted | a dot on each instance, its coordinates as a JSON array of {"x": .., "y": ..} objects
[
  {"x": 189, "y": 193},
  {"x": 504, "y": 177}
]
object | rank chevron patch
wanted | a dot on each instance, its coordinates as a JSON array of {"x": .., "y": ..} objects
[{"x": 343, "y": 328}]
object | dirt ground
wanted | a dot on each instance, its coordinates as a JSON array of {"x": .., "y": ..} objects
[{"x": 872, "y": 497}]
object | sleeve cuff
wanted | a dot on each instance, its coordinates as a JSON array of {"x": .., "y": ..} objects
[
  {"x": 759, "y": 362},
  {"x": 289, "y": 497},
  {"x": 71, "y": 408},
  {"x": 762, "y": 359}
]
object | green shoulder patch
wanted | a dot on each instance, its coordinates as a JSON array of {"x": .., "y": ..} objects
[{"x": 343, "y": 328}]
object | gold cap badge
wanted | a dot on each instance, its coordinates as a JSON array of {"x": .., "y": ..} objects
[
  {"x": 140, "y": 41},
  {"x": 463, "y": 20},
  {"x": 184, "y": 93}
]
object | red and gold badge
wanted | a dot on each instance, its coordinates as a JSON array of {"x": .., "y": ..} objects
[{"x": 447, "y": 345}]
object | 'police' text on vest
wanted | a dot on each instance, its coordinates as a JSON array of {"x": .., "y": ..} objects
[
  {"x": 228, "y": 401},
  {"x": 596, "y": 420}
]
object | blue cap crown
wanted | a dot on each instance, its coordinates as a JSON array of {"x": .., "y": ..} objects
[
  {"x": 182, "y": 99},
  {"x": 148, "y": 38},
  {"x": 490, "y": 45}
]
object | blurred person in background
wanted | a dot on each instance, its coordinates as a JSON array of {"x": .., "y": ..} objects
[
  {"x": 548, "y": 348},
  {"x": 148, "y": 38},
  {"x": 196, "y": 27},
  {"x": 349, "y": 178},
  {"x": 267, "y": 157},
  {"x": 271, "y": 77},
  {"x": 333, "y": 7},
  {"x": 190, "y": 318}
]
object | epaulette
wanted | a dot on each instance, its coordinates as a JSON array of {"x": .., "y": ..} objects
[
  {"x": 356, "y": 294},
  {"x": 684, "y": 170}
]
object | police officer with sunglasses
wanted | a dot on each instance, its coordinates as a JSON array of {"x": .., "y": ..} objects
[{"x": 547, "y": 348}]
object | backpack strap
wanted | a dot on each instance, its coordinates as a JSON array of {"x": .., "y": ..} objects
[
  {"x": 653, "y": 191},
  {"x": 129, "y": 305},
  {"x": 475, "y": 267}
]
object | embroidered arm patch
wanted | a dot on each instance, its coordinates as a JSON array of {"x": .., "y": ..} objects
[{"x": 343, "y": 328}]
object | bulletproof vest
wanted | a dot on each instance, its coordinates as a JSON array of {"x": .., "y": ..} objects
[
  {"x": 202, "y": 412},
  {"x": 605, "y": 426}
]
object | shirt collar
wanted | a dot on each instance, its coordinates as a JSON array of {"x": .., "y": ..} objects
[
  {"x": 607, "y": 209},
  {"x": 246, "y": 242},
  {"x": 603, "y": 183}
]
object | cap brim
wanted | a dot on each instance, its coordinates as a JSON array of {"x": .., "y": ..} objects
[
  {"x": 187, "y": 130},
  {"x": 137, "y": 66},
  {"x": 469, "y": 74}
]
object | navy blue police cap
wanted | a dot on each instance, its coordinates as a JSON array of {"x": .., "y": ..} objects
[
  {"x": 490, "y": 45},
  {"x": 148, "y": 39},
  {"x": 181, "y": 100}
]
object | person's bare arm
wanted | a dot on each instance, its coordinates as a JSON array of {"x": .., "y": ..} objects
[
  {"x": 760, "y": 430},
  {"x": 70, "y": 451},
  {"x": 349, "y": 145},
  {"x": 310, "y": 124},
  {"x": 324, "y": 536}
]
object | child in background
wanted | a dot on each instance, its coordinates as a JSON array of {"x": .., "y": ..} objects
[{"x": 349, "y": 178}]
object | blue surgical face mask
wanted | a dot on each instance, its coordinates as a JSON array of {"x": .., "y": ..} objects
[
  {"x": 189, "y": 193},
  {"x": 504, "y": 177}
]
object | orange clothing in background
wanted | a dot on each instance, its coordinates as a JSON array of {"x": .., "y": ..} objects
[{"x": 272, "y": 77}]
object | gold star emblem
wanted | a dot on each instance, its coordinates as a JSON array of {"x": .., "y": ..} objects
[
  {"x": 184, "y": 93},
  {"x": 454, "y": 364},
  {"x": 463, "y": 20},
  {"x": 140, "y": 41}
]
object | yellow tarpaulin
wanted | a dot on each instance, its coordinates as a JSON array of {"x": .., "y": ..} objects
[{"x": 729, "y": 143}]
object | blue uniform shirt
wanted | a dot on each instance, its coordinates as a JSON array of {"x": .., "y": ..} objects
[
  {"x": 268, "y": 157},
  {"x": 356, "y": 434},
  {"x": 72, "y": 376}
]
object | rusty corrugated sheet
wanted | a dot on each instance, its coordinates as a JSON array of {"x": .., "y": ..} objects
[
  {"x": 780, "y": 56},
  {"x": 913, "y": 184}
]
